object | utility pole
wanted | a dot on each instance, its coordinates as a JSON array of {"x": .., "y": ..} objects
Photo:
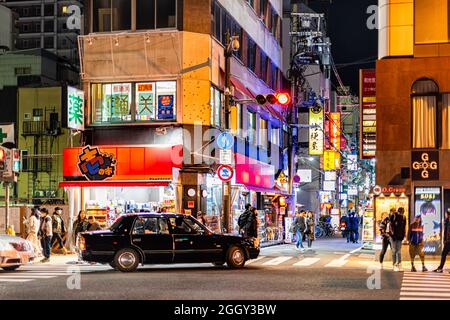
[
  {"x": 226, "y": 186},
  {"x": 6, "y": 184}
]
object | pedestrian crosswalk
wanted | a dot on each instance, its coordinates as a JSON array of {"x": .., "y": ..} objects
[
  {"x": 305, "y": 261},
  {"x": 425, "y": 286},
  {"x": 44, "y": 271}
]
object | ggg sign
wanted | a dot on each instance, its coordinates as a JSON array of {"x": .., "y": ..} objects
[{"x": 425, "y": 165}]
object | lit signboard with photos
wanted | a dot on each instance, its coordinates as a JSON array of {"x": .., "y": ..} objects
[
  {"x": 428, "y": 205},
  {"x": 368, "y": 113},
  {"x": 335, "y": 130}
]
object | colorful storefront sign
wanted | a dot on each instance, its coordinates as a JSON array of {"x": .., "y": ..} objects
[
  {"x": 331, "y": 160},
  {"x": 335, "y": 130},
  {"x": 316, "y": 122},
  {"x": 368, "y": 113},
  {"x": 145, "y": 101},
  {"x": 425, "y": 165},
  {"x": 428, "y": 205},
  {"x": 75, "y": 108},
  {"x": 129, "y": 164},
  {"x": 254, "y": 173}
]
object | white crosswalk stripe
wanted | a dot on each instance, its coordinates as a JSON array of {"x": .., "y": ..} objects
[
  {"x": 254, "y": 260},
  {"x": 336, "y": 263},
  {"x": 424, "y": 286},
  {"x": 307, "y": 262},
  {"x": 276, "y": 261}
]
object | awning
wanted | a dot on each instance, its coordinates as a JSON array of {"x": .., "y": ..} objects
[
  {"x": 266, "y": 190},
  {"x": 72, "y": 184},
  {"x": 245, "y": 93}
]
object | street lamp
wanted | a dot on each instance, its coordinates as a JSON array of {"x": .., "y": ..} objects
[{"x": 232, "y": 44}]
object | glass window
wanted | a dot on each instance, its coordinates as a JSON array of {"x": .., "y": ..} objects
[
  {"x": 263, "y": 133},
  {"x": 166, "y": 13},
  {"x": 111, "y": 102},
  {"x": 431, "y": 21},
  {"x": 239, "y": 119},
  {"x": 180, "y": 226},
  {"x": 424, "y": 113},
  {"x": 263, "y": 67},
  {"x": 146, "y": 226},
  {"x": 275, "y": 135},
  {"x": 145, "y": 101},
  {"x": 112, "y": 15},
  {"x": 217, "y": 22},
  {"x": 163, "y": 226},
  {"x": 251, "y": 54},
  {"x": 216, "y": 107},
  {"x": 145, "y": 14},
  {"x": 251, "y": 131},
  {"x": 166, "y": 92}
]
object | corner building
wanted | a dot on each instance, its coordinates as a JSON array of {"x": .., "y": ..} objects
[
  {"x": 153, "y": 75},
  {"x": 413, "y": 102}
]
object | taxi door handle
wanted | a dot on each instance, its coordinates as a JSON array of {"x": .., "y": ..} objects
[
  {"x": 181, "y": 240},
  {"x": 137, "y": 240}
]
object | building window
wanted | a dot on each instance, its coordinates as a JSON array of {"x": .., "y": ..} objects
[
  {"x": 263, "y": 133},
  {"x": 48, "y": 42},
  {"x": 251, "y": 128},
  {"x": 22, "y": 71},
  {"x": 251, "y": 3},
  {"x": 263, "y": 67},
  {"x": 251, "y": 54},
  {"x": 166, "y": 14},
  {"x": 152, "y": 101},
  {"x": 262, "y": 9},
  {"x": 112, "y": 15},
  {"x": 216, "y": 107},
  {"x": 424, "y": 104},
  {"x": 239, "y": 115},
  {"x": 275, "y": 135},
  {"x": 432, "y": 23},
  {"x": 145, "y": 14}
]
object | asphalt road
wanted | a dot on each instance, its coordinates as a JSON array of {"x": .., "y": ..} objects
[{"x": 329, "y": 271}]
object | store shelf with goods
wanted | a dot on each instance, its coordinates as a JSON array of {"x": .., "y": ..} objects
[{"x": 100, "y": 215}]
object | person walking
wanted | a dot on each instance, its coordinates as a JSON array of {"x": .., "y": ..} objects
[
  {"x": 92, "y": 224},
  {"x": 33, "y": 231},
  {"x": 299, "y": 229},
  {"x": 46, "y": 233},
  {"x": 397, "y": 227},
  {"x": 352, "y": 227},
  {"x": 446, "y": 248},
  {"x": 251, "y": 227},
  {"x": 59, "y": 229},
  {"x": 310, "y": 227},
  {"x": 79, "y": 225},
  {"x": 416, "y": 243},
  {"x": 243, "y": 218},
  {"x": 385, "y": 236}
]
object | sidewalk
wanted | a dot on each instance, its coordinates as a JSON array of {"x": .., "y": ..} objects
[
  {"x": 58, "y": 259},
  {"x": 405, "y": 256}
]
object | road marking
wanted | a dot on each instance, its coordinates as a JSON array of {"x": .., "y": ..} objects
[
  {"x": 424, "y": 285},
  {"x": 306, "y": 262},
  {"x": 276, "y": 261},
  {"x": 17, "y": 276},
  {"x": 15, "y": 280},
  {"x": 356, "y": 250},
  {"x": 425, "y": 294},
  {"x": 429, "y": 285},
  {"x": 337, "y": 263},
  {"x": 254, "y": 260}
]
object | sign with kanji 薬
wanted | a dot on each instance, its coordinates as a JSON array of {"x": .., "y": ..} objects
[
  {"x": 95, "y": 165},
  {"x": 6, "y": 133},
  {"x": 316, "y": 131},
  {"x": 75, "y": 108}
]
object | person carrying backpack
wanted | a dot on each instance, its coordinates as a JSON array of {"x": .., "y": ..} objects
[
  {"x": 299, "y": 229},
  {"x": 251, "y": 227},
  {"x": 243, "y": 218},
  {"x": 416, "y": 243}
]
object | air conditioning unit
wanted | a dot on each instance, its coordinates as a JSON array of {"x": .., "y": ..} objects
[
  {"x": 50, "y": 194},
  {"x": 27, "y": 116},
  {"x": 39, "y": 193}
]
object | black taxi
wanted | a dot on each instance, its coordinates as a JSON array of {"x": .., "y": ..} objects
[{"x": 153, "y": 238}]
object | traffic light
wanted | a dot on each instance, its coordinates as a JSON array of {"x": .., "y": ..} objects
[
  {"x": 2, "y": 159},
  {"x": 280, "y": 98}
]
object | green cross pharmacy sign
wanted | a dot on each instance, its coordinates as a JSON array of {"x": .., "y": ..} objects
[{"x": 75, "y": 108}]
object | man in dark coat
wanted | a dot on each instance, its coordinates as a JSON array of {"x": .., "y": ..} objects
[
  {"x": 397, "y": 229},
  {"x": 299, "y": 229},
  {"x": 446, "y": 248}
]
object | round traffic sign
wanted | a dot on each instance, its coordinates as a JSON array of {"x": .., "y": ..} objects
[
  {"x": 225, "y": 141},
  {"x": 225, "y": 173}
]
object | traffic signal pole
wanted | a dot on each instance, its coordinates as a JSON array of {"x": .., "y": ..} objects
[{"x": 6, "y": 184}]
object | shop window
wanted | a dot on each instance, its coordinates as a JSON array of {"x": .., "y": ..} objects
[
  {"x": 216, "y": 107},
  {"x": 424, "y": 104},
  {"x": 153, "y": 101},
  {"x": 111, "y": 102},
  {"x": 145, "y": 101},
  {"x": 145, "y": 14},
  {"x": 166, "y": 14}
]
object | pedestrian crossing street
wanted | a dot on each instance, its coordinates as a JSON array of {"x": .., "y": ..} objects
[
  {"x": 425, "y": 286},
  {"x": 44, "y": 271}
]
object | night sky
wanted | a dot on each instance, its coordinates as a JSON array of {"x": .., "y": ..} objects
[{"x": 351, "y": 40}]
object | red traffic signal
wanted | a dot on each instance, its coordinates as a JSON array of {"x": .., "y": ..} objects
[{"x": 280, "y": 98}]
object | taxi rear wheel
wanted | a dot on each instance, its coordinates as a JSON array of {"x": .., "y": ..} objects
[
  {"x": 126, "y": 260},
  {"x": 10, "y": 268},
  {"x": 235, "y": 257}
]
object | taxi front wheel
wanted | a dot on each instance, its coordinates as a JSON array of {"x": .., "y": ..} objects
[
  {"x": 126, "y": 260},
  {"x": 235, "y": 257}
]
